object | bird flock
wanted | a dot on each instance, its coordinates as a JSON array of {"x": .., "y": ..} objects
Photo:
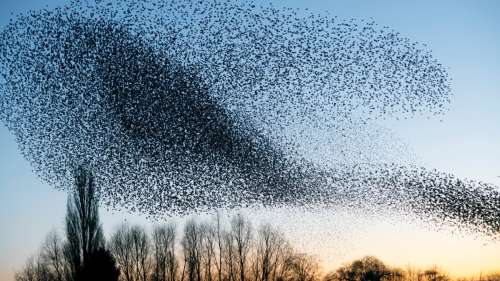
[{"x": 189, "y": 106}]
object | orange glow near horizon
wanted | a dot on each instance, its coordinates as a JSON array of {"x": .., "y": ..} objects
[
  {"x": 396, "y": 242},
  {"x": 457, "y": 254}
]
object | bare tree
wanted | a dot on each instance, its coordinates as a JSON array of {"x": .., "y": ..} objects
[
  {"x": 208, "y": 249},
  {"x": 36, "y": 269},
  {"x": 165, "y": 262},
  {"x": 192, "y": 248},
  {"x": 131, "y": 248},
  {"x": 268, "y": 246},
  {"x": 229, "y": 254},
  {"x": 83, "y": 230},
  {"x": 220, "y": 247},
  {"x": 271, "y": 254},
  {"x": 241, "y": 230},
  {"x": 29, "y": 272},
  {"x": 120, "y": 244},
  {"x": 141, "y": 252},
  {"x": 303, "y": 268},
  {"x": 53, "y": 255}
]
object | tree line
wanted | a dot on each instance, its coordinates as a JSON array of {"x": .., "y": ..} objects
[
  {"x": 217, "y": 249},
  {"x": 214, "y": 250}
]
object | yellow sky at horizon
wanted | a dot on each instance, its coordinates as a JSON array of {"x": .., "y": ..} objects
[
  {"x": 458, "y": 254},
  {"x": 340, "y": 236},
  {"x": 397, "y": 240}
]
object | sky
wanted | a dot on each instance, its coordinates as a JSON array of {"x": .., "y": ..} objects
[{"x": 463, "y": 35}]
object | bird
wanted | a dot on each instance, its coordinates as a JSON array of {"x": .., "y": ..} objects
[{"x": 199, "y": 105}]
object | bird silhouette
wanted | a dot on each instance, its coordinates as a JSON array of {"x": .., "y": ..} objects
[{"x": 188, "y": 106}]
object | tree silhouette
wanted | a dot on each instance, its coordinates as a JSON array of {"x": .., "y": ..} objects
[
  {"x": 131, "y": 248},
  {"x": 242, "y": 233},
  {"x": 83, "y": 230},
  {"x": 53, "y": 255},
  {"x": 100, "y": 266},
  {"x": 220, "y": 248},
  {"x": 209, "y": 251},
  {"x": 365, "y": 269},
  {"x": 165, "y": 262},
  {"x": 192, "y": 248},
  {"x": 433, "y": 274}
]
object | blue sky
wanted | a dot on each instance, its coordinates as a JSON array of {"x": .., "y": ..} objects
[{"x": 463, "y": 35}]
